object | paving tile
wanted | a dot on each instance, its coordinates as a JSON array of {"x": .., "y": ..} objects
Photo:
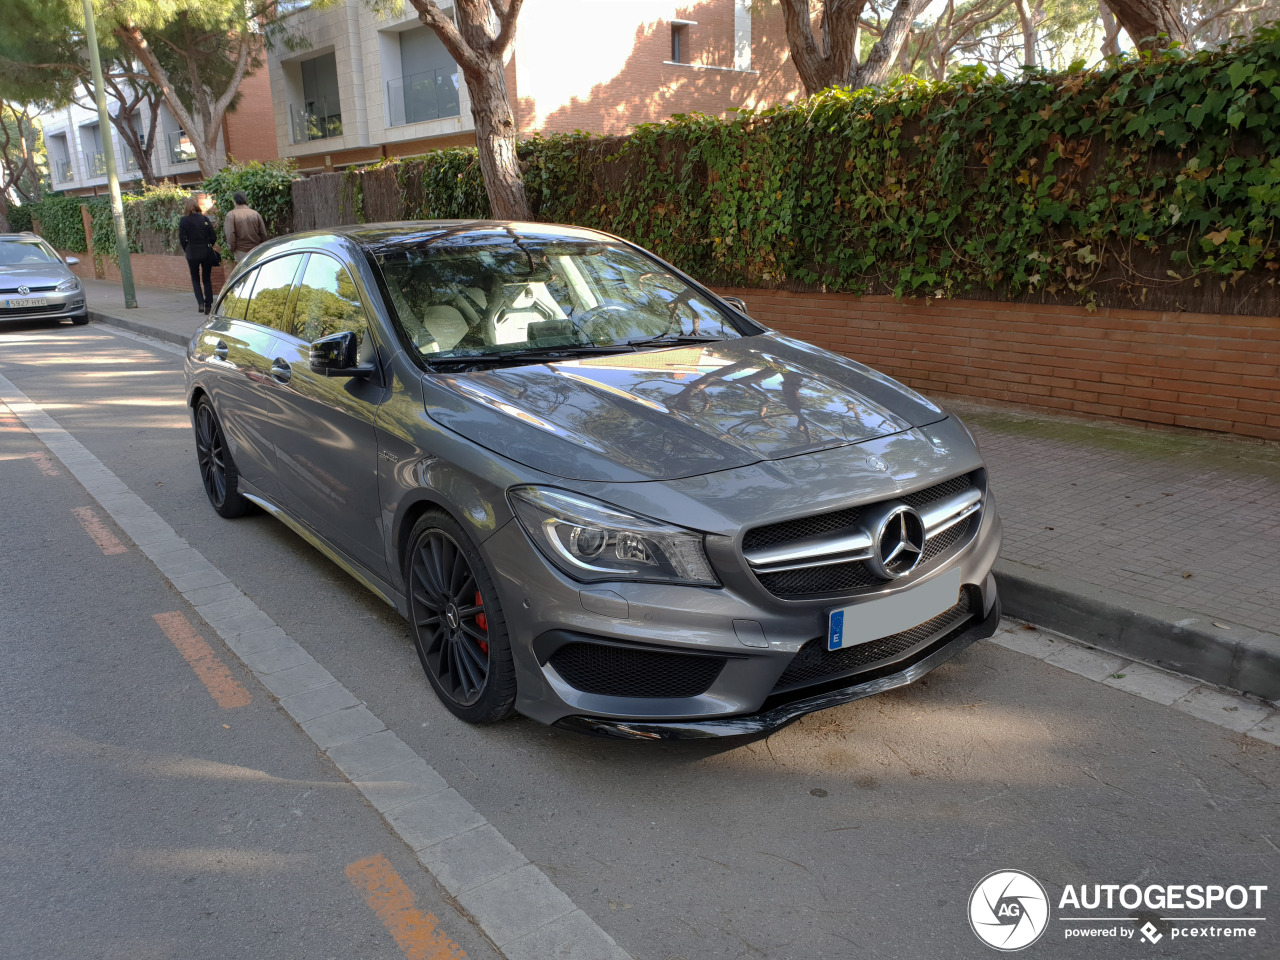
[
  {"x": 471, "y": 859},
  {"x": 431, "y": 819},
  {"x": 574, "y": 936},
  {"x": 287, "y": 683},
  {"x": 1151, "y": 684},
  {"x": 402, "y": 784},
  {"x": 516, "y": 904},
  {"x": 318, "y": 701},
  {"x": 1226, "y": 710},
  {"x": 1093, "y": 664},
  {"x": 344, "y": 725},
  {"x": 367, "y": 756}
]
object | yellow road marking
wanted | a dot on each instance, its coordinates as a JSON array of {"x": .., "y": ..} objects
[
  {"x": 45, "y": 465},
  {"x": 418, "y": 934},
  {"x": 96, "y": 528},
  {"x": 213, "y": 673}
]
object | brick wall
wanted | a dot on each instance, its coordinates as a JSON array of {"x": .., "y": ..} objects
[
  {"x": 150, "y": 270},
  {"x": 1180, "y": 369},
  {"x": 250, "y": 130}
]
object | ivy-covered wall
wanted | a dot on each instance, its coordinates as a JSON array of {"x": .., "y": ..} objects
[{"x": 1152, "y": 184}]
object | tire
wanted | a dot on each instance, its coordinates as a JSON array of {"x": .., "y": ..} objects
[
  {"x": 458, "y": 625},
  {"x": 218, "y": 471},
  {"x": 80, "y": 319}
]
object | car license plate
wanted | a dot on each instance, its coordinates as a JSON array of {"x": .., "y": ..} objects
[
  {"x": 29, "y": 302},
  {"x": 885, "y": 616}
]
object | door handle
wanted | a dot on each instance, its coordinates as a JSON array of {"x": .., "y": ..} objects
[
  {"x": 281, "y": 370},
  {"x": 220, "y": 350}
]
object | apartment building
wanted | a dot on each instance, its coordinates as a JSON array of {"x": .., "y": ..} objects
[
  {"x": 77, "y": 161},
  {"x": 362, "y": 86}
]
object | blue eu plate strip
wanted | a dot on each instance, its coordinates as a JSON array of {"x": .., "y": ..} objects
[{"x": 835, "y": 630}]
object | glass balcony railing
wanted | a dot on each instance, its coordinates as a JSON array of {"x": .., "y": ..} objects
[
  {"x": 95, "y": 164},
  {"x": 422, "y": 96},
  {"x": 316, "y": 120},
  {"x": 181, "y": 149},
  {"x": 62, "y": 171}
]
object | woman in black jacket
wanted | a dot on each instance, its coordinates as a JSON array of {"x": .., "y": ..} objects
[{"x": 197, "y": 236}]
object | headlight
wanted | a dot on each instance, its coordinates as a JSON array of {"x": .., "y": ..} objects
[
  {"x": 590, "y": 540},
  {"x": 66, "y": 286}
]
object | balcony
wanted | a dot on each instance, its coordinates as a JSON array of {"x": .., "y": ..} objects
[
  {"x": 95, "y": 164},
  {"x": 181, "y": 149},
  {"x": 422, "y": 96},
  {"x": 315, "y": 121},
  {"x": 62, "y": 171}
]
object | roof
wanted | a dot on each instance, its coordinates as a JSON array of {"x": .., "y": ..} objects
[{"x": 386, "y": 237}]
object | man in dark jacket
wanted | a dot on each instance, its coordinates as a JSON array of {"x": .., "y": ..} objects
[{"x": 244, "y": 227}]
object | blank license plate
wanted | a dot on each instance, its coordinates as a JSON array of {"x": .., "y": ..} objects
[
  {"x": 30, "y": 302},
  {"x": 873, "y": 619}
]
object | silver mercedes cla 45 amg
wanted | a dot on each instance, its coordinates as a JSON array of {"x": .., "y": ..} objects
[{"x": 601, "y": 495}]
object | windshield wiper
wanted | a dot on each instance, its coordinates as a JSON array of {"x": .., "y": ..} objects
[
  {"x": 663, "y": 339},
  {"x": 563, "y": 350}
]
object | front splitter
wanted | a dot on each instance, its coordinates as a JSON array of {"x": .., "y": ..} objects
[{"x": 770, "y": 720}]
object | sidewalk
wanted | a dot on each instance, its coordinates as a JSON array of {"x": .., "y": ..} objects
[{"x": 1162, "y": 546}]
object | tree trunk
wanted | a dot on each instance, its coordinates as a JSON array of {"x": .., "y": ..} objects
[
  {"x": 824, "y": 67},
  {"x": 1028, "y": 34},
  {"x": 885, "y": 52},
  {"x": 496, "y": 143},
  {"x": 1110, "y": 31},
  {"x": 1146, "y": 20}
]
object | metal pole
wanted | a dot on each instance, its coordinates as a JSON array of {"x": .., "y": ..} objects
[{"x": 104, "y": 124}]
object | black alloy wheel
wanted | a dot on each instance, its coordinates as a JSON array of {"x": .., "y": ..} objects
[
  {"x": 458, "y": 625},
  {"x": 218, "y": 470}
]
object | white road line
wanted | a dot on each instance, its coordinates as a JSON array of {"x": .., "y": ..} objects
[
  {"x": 526, "y": 915},
  {"x": 1223, "y": 708}
]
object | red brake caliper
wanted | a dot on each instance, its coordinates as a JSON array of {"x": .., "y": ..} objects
[{"x": 482, "y": 622}]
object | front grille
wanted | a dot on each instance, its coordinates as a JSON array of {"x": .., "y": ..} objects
[
  {"x": 814, "y": 663},
  {"x": 47, "y": 308},
  {"x": 846, "y": 578},
  {"x": 629, "y": 672},
  {"x": 7, "y": 290}
]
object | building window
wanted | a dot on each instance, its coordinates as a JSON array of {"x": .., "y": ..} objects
[
  {"x": 427, "y": 88},
  {"x": 319, "y": 116},
  {"x": 679, "y": 36}
]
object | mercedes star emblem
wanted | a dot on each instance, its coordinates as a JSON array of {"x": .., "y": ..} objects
[{"x": 899, "y": 543}]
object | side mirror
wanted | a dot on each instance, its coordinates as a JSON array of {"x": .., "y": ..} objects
[
  {"x": 337, "y": 356},
  {"x": 738, "y": 304},
  {"x": 72, "y": 261}
]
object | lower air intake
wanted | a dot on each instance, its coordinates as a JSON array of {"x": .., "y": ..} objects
[{"x": 629, "y": 672}]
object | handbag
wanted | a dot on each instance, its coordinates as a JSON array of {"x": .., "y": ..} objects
[{"x": 213, "y": 258}]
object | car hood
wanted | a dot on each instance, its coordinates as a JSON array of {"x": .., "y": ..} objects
[
  {"x": 33, "y": 275},
  {"x": 677, "y": 412}
]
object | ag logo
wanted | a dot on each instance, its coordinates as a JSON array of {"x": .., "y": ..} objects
[{"x": 1008, "y": 910}]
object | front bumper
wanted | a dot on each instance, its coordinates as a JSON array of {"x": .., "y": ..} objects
[
  {"x": 544, "y": 610},
  {"x": 779, "y": 716},
  {"x": 58, "y": 306}
]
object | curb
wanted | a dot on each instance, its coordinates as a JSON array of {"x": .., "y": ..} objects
[
  {"x": 137, "y": 326},
  {"x": 1207, "y": 648}
]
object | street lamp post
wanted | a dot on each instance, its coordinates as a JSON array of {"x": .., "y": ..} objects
[{"x": 113, "y": 181}]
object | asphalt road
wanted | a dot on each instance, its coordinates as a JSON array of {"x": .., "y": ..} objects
[{"x": 143, "y": 819}]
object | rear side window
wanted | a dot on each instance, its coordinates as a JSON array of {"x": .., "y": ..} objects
[
  {"x": 328, "y": 302},
  {"x": 271, "y": 292},
  {"x": 236, "y": 299}
]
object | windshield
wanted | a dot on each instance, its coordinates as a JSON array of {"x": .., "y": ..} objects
[
  {"x": 498, "y": 297},
  {"x": 14, "y": 252}
]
